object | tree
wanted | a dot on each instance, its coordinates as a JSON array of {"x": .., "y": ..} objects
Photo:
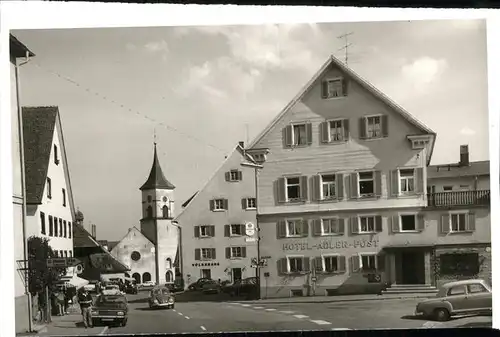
[{"x": 39, "y": 275}]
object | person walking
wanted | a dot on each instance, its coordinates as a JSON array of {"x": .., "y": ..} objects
[
  {"x": 42, "y": 307},
  {"x": 59, "y": 301},
  {"x": 66, "y": 299},
  {"x": 85, "y": 300}
]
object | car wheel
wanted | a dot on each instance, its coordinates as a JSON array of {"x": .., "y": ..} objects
[
  {"x": 124, "y": 322},
  {"x": 441, "y": 314}
]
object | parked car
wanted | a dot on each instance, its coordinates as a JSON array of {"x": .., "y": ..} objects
[
  {"x": 110, "y": 308},
  {"x": 131, "y": 287},
  {"x": 148, "y": 284},
  {"x": 174, "y": 288},
  {"x": 211, "y": 287},
  {"x": 161, "y": 297},
  {"x": 91, "y": 286},
  {"x": 457, "y": 298},
  {"x": 246, "y": 287},
  {"x": 198, "y": 285}
]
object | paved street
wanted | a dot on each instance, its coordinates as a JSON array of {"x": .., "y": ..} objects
[{"x": 240, "y": 316}]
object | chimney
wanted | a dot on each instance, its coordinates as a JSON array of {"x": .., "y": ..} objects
[
  {"x": 242, "y": 144},
  {"x": 93, "y": 231},
  {"x": 464, "y": 155}
]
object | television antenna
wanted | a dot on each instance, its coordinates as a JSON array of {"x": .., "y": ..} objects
[{"x": 346, "y": 46}]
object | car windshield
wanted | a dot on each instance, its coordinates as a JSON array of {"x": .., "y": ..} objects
[
  {"x": 111, "y": 299},
  {"x": 162, "y": 291}
]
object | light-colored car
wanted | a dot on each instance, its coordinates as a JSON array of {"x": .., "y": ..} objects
[
  {"x": 148, "y": 284},
  {"x": 160, "y": 297},
  {"x": 457, "y": 298},
  {"x": 90, "y": 287}
]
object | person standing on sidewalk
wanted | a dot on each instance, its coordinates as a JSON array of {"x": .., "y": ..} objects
[
  {"x": 85, "y": 300},
  {"x": 42, "y": 307}
]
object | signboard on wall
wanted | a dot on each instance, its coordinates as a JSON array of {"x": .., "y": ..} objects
[
  {"x": 249, "y": 229},
  {"x": 329, "y": 244}
]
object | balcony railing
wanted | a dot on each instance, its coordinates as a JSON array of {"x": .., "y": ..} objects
[{"x": 459, "y": 198}]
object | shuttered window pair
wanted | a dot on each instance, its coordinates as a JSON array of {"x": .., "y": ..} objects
[
  {"x": 293, "y": 265},
  {"x": 234, "y": 230},
  {"x": 330, "y": 264},
  {"x": 236, "y": 252},
  {"x": 334, "y": 131},
  {"x": 298, "y": 134},
  {"x": 219, "y": 205},
  {"x": 366, "y": 224},
  {"x": 292, "y": 189},
  {"x": 365, "y": 184},
  {"x": 292, "y": 228},
  {"x": 328, "y": 226},
  {"x": 204, "y": 231},
  {"x": 249, "y": 203},
  {"x": 367, "y": 263},
  {"x": 407, "y": 181},
  {"x": 334, "y": 88},
  {"x": 234, "y": 175},
  {"x": 458, "y": 222},
  {"x": 407, "y": 222},
  {"x": 373, "y": 127},
  {"x": 203, "y": 254}
]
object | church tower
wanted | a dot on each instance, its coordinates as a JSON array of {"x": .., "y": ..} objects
[{"x": 156, "y": 223}]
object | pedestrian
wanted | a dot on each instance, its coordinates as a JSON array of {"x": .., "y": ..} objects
[
  {"x": 59, "y": 301},
  {"x": 42, "y": 307},
  {"x": 85, "y": 300},
  {"x": 66, "y": 299}
]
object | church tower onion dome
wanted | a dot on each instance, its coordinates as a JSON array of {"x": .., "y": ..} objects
[{"x": 156, "y": 179}]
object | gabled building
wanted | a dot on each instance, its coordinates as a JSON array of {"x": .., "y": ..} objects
[
  {"x": 342, "y": 193},
  {"x": 49, "y": 197},
  {"x": 214, "y": 241}
]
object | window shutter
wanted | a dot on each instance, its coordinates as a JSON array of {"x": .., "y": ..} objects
[
  {"x": 281, "y": 266},
  {"x": 339, "y": 184},
  {"x": 281, "y": 229},
  {"x": 227, "y": 231},
  {"x": 378, "y": 183},
  {"x": 419, "y": 175},
  {"x": 378, "y": 224},
  {"x": 395, "y": 224},
  {"x": 303, "y": 188},
  {"x": 324, "y": 134},
  {"x": 353, "y": 224},
  {"x": 197, "y": 254},
  {"x": 242, "y": 229},
  {"x": 445, "y": 223},
  {"x": 355, "y": 263},
  {"x": 381, "y": 262},
  {"x": 287, "y": 131},
  {"x": 471, "y": 222},
  {"x": 420, "y": 222},
  {"x": 281, "y": 190},
  {"x": 212, "y": 231},
  {"x": 243, "y": 251},
  {"x": 212, "y": 204},
  {"x": 240, "y": 175},
  {"x": 341, "y": 263},
  {"x": 385, "y": 125},
  {"x": 316, "y": 227},
  {"x": 324, "y": 89},
  {"x": 309, "y": 133},
  {"x": 196, "y": 231},
  {"x": 345, "y": 124},
  {"x": 345, "y": 86},
  {"x": 228, "y": 176},
  {"x": 228, "y": 252},
  {"x": 394, "y": 183},
  {"x": 304, "y": 224},
  {"x": 341, "y": 226},
  {"x": 244, "y": 203},
  {"x": 354, "y": 185},
  {"x": 316, "y": 182},
  {"x": 362, "y": 128},
  {"x": 318, "y": 264},
  {"x": 213, "y": 254},
  {"x": 306, "y": 262},
  {"x": 226, "y": 204}
]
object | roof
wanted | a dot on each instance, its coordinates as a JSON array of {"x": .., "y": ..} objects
[
  {"x": 477, "y": 168},
  {"x": 156, "y": 178},
  {"x": 240, "y": 150},
  {"x": 189, "y": 200},
  {"x": 333, "y": 61},
  {"x": 18, "y": 49}
]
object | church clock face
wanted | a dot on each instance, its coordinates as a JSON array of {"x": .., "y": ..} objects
[{"x": 165, "y": 199}]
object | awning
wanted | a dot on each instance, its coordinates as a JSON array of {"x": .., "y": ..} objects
[{"x": 75, "y": 281}]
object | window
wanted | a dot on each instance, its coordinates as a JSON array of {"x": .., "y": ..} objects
[
  {"x": 70, "y": 253},
  {"x": 165, "y": 212},
  {"x": 447, "y": 188},
  {"x": 295, "y": 264},
  {"x": 299, "y": 135},
  {"x": 65, "y": 253},
  {"x": 329, "y": 226},
  {"x": 51, "y": 226},
  {"x": 55, "y": 226},
  {"x": 205, "y": 231},
  {"x": 49, "y": 188},
  {"x": 458, "y": 222},
  {"x": 69, "y": 229},
  {"x": 464, "y": 264},
  {"x": 476, "y": 289},
  {"x": 219, "y": 204},
  {"x": 65, "y": 229},
  {"x": 234, "y": 175},
  {"x": 368, "y": 262},
  {"x": 456, "y": 291},
  {"x": 328, "y": 186},
  {"x": 293, "y": 188},
  {"x": 42, "y": 222},
  {"x": 56, "y": 155},
  {"x": 374, "y": 127},
  {"x": 407, "y": 181},
  {"x": 60, "y": 228},
  {"x": 64, "y": 197},
  {"x": 333, "y": 88},
  {"x": 366, "y": 184},
  {"x": 206, "y": 273},
  {"x": 336, "y": 131},
  {"x": 236, "y": 230},
  {"x": 408, "y": 222},
  {"x": 331, "y": 264},
  {"x": 150, "y": 198},
  {"x": 251, "y": 203},
  {"x": 149, "y": 212},
  {"x": 367, "y": 224},
  {"x": 236, "y": 252},
  {"x": 293, "y": 228},
  {"x": 208, "y": 253}
]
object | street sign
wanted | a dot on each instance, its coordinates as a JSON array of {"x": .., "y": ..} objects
[
  {"x": 62, "y": 262},
  {"x": 249, "y": 229},
  {"x": 250, "y": 239}
]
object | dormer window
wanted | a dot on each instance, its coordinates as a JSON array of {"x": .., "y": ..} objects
[
  {"x": 419, "y": 142},
  {"x": 334, "y": 88},
  {"x": 56, "y": 155}
]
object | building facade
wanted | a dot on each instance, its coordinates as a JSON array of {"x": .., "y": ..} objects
[
  {"x": 214, "y": 240},
  {"x": 156, "y": 260},
  {"x": 49, "y": 197},
  {"x": 342, "y": 201}
]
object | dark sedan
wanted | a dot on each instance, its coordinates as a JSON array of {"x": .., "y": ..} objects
[
  {"x": 112, "y": 309},
  {"x": 247, "y": 287}
]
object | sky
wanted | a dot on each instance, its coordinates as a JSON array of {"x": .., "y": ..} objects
[{"x": 200, "y": 90}]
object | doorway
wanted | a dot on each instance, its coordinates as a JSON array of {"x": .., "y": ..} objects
[
  {"x": 412, "y": 267},
  {"x": 236, "y": 274},
  {"x": 206, "y": 273}
]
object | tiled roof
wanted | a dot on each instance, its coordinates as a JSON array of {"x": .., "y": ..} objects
[
  {"x": 38, "y": 133},
  {"x": 477, "y": 168},
  {"x": 17, "y": 48},
  {"x": 82, "y": 238},
  {"x": 156, "y": 178}
]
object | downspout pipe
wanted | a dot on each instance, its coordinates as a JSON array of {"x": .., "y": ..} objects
[{"x": 23, "y": 186}]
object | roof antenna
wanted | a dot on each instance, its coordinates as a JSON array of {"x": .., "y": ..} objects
[{"x": 346, "y": 46}]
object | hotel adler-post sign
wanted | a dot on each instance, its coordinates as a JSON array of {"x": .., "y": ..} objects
[{"x": 329, "y": 244}]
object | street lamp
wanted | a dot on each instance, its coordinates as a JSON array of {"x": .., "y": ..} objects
[{"x": 257, "y": 228}]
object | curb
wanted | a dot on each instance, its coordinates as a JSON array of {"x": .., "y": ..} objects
[
  {"x": 104, "y": 330},
  {"x": 339, "y": 300}
]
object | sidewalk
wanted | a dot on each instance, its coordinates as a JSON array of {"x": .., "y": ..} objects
[{"x": 333, "y": 299}]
